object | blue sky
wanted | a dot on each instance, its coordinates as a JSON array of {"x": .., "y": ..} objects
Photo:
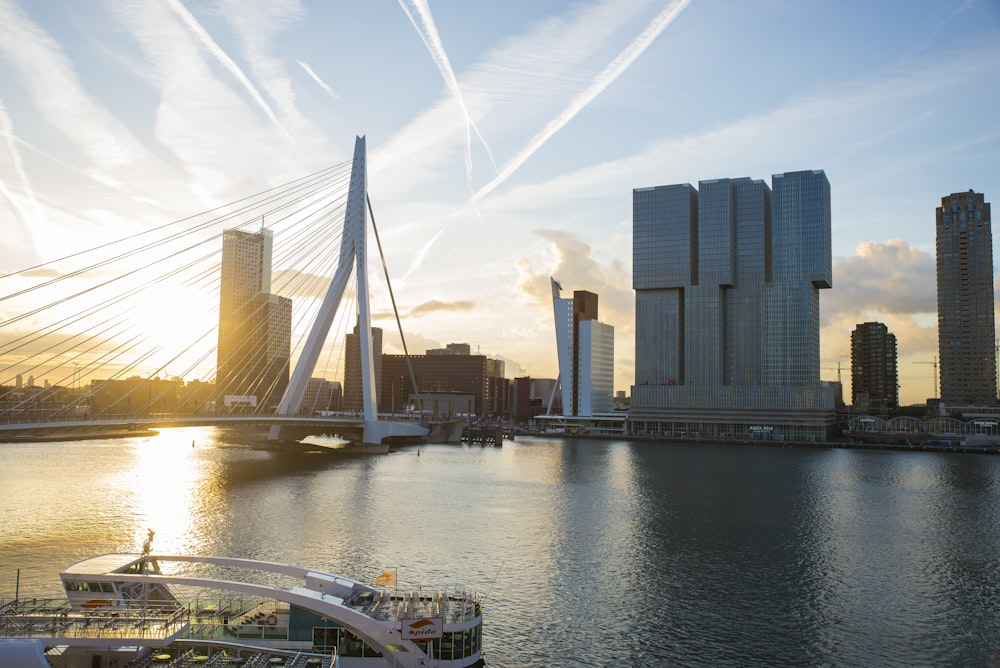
[{"x": 504, "y": 138}]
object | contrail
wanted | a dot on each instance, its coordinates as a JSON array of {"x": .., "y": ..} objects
[
  {"x": 597, "y": 86},
  {"x": 7, "y": 132},
  {"x": 315, "y": 77},
  {"x": 432, "y": 40},
  {"x": 422, "y": 254},
  {"x": 223, "y": 58}
]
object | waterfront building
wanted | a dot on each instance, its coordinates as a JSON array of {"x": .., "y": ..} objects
[
  {"x": 452, "y": 349},
  {"x": 353, "y": 400},
  {"x": 966, "y": 324},
  {"x": 320, "y": 395},
  {"x": 586, "y": 354},
  {"x": 255, "y": 326},
  {"x": 727, "y": 279},
  {"x": 527, "y": 402},
  {"x": 456, "y": 374},
  {"x": 874, "y": 380}
]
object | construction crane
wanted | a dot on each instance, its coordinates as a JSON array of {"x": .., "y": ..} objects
[
  {"x": 935, "y": 363},
  {"x": 831, "y": 368}
]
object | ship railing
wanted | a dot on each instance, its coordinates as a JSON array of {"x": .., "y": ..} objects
[{"x": 140, "y": 623}]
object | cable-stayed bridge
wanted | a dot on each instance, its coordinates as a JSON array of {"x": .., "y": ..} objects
[{"x": 116, "y": 329}]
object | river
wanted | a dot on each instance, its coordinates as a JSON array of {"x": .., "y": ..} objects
[{"x": 593, "y": 553}]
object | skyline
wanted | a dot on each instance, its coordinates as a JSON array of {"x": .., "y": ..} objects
[{"x": 505, "y": 141}]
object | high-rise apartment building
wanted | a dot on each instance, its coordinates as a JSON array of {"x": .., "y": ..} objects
[
  {"x": 727, "y": 280},
  {"x": 966, "y": 324},
  {"x": 874, "y": 382},
  {"x": 586, "y": 350},
  {"x": 353, "y": 400},
  {"x": 255, "y": 326}
]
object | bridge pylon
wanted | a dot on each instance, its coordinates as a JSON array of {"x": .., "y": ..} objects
[{"x": 353, "y": 251}]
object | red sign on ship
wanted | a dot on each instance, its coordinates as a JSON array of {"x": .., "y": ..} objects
[{"x": 425, "y": 628}]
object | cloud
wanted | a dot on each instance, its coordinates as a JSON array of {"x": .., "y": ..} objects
[
  {"x": 571, "y": 261},
  {"x": 58, "y": 94},
  {"x": 436, "y": 306},
  {"x": 23, "y": 239},
  {"x": 890, "y": 277}
]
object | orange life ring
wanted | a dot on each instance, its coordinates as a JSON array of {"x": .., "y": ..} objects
[{"x": 272, "y": 620}]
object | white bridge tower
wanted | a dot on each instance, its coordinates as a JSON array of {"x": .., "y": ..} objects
[{"x": 353, "y": 250}]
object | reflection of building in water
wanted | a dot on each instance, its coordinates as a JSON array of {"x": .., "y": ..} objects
[{"x": 727, "y": 280}]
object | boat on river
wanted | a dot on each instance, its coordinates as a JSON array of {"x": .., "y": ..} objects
[{"x": 126, "y": 611}]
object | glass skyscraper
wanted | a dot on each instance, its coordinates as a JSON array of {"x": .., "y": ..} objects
[
  {"x": 966, "y": 324},
  {"x": 727, "y": 280}
]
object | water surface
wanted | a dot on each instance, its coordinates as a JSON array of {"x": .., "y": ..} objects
[{"x": 593, "y": 553}]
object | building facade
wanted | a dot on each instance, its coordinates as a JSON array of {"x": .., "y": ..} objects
[
  {"x": 727, "y": 280},
  {"x": 966, "y": 323},
  {"x": 586, "y": 354},
  {"x": 353, "y": 400},
  {"x": 874, "y": 379},
  {"x": 255, "y": 326},
  {"x": 476, "y": 376}
]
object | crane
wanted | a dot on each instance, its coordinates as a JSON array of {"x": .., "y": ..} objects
[
  {"x": 831, "y": 368},
  {"x": 935, "y": 363}
]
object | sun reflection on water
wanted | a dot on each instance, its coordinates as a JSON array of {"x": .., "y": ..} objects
[{"x": 163, "y": 490}]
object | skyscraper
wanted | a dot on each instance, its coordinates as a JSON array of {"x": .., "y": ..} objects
[
  {"x": 874, "y": 383},
  {"x": 966, "y": 325},
  {"x": 586, "y": 351},
  {"x": 727, "y": 281},
  {"x": 254, "y": 325}
]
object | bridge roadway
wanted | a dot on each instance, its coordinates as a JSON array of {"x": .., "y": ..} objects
[{"x": 291, "y": 427}]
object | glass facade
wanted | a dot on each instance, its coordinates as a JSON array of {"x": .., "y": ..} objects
[
  {"x": 597, "y": 368},
  {"x": 727, "y": 281}
]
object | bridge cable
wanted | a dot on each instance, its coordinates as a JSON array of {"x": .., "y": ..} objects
[{"x": 395, "y": 311}]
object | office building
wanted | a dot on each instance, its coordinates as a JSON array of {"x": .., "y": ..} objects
[
  {"x": 874, "y": 382},
  {"x": 440, "y": 376},
  {"x": 255, "y": 326},
  {"x": 586, "y": 353},
  {"x": 966, "y": 325},
  {"x": 727, "y": 280}
]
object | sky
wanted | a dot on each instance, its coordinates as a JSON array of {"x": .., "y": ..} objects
[{"x": 505, "y": 138}]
